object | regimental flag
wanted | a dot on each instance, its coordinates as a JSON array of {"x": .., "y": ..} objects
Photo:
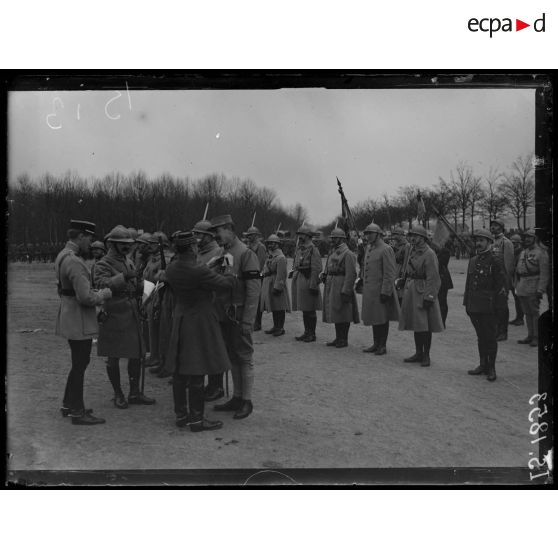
[
  {"x": 348, "y": 220},
  {"x": 441, "y": 233},
  {"x": 421, "y": 209}
]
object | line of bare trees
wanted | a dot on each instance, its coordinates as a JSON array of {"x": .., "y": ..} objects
[
  {"x": 40, "y": 210},
  {"x": 461, "y": 198}
]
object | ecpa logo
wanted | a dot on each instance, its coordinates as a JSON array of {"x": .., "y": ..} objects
[{"x": 494, "y": 24}]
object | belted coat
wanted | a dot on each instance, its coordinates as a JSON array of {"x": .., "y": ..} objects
[
  {"x": 196, "y": 345},
  {"x": 341, "y": 275},
  {"x": 485, "y": 279},
  {"x": 532, "y": 271},
  {"x": 120, "y": 335},
  {"x": 275, "y": 277},
  {"x": 77, "y": 316},
  {"x": 378, "y": 278},
  {"x": 307, "y": 266},
  {"x": 422, "y": 283}
]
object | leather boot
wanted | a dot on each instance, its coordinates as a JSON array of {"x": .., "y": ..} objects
[
  {"x": 417, "y": 357},
  {"x": 311, "y": 337},
  {"x": 232, "y": 404},
  {"x": 205, "y": 424},
  {"x": 303, "y": 336},
  {"x": 425, "y": 359},
  {"x": 480, "y": 369},
  {"x": 245, "y": 409},
  {"x": 491, "y": 368},
  {"x": 196, "y": 405},
  {"x": 381, "y": 349},
  {"x": 85, "y": 419},
  {"x": 372, "y": 349},
  {"x": 113, "y": 371},
  {"x": 135, "y": 396}
]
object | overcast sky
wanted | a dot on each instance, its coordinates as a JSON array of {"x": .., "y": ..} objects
[{"x": 294, "y": 141}]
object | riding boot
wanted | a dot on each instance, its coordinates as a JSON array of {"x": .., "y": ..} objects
[
  {"x": 275, "y": 327},
  {"x": 427, "y": 341},
  {"x": 481, "y": 368},
  {"x": 375, "y": 341},
  {"x": 280, "y": 321},
  {"x": 196, "y": 419},
  {"x": 417, "y": 357},
  {"x": 383, "y": 331},
  {"x": 113, "y": 371},
  {"x": 491, "y": 367},
  {"x": 337, "y": 336},
  {"x": 305, "y": 321},
  {"x": 343, "y": 340},
  {"x": 136, "y": 397},
  {"x": 311, "y": 322}
]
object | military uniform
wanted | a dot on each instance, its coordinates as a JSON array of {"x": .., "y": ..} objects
[
  {"x": 503, "y": 250},
  {"x": 120, "y": 334},
  {"x": 485, "y": 280},
  {"x": 420, "y": 309},
  {"x": 259, "y": 249},
  {"x": 340, "y": 304},
  {"x": 240, "y": 305},
  {"x": 446, "y": 283},
  {"x": 305, "y": 287},
  {"x": 76, "y": 321},
  {"x": 210, "y": 251},
  {"x": 196, "y": 345},
  {"x": 379, "y": 302},
  {"x": 401, "y": 253},
  {"x": 275, "y": 293},
  {"x": 532, "y": 277},
  {"x": 518, "y": 320},
  {"x": 151, "y": 272}
]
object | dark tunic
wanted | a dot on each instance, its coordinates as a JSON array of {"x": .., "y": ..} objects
[
  {"x": 485, "y": 279},
  {"x": 196, "y": 345}
]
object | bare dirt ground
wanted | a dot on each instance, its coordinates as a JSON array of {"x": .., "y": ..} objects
[{"x": 314, "y": 406}]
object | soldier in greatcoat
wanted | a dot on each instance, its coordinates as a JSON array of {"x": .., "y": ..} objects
[
  {"x": 77, "y": 320},
  {"x": 340, "y": 304},
  {"x": 239, "y": 305},
  {"x": 379, "y": 301},
  {"x": 253, "y": 236},
  {"x": 305, "y": 287},
  {"x": 503, "y": 250},
  {"x": 517, "y": 242},
  {"x": 485, "y": 282},
  {"x": 532, "y": 278},
  {"x": 120, "y": 333},
  {"x": 401, "y": 248},
  {"x": 196, "y": 346},
  {"x": 275, "y": 293},
  {"x": 420, "y": 309}
]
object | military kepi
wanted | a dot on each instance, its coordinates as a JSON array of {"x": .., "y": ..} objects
[
  {"x": 84, "y": 226},
  {"x": 221, "y": 220}
]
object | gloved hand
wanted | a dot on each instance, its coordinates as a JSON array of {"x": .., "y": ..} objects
[
  {"x": 246, "y": 329},
  {"x": 399, "y": 283},
  {"x": 105, "y": 293},
  {"x": 276, "y": 292},
  {"x": 314, "y": 292},
  {"x": 346, "y": 297},
  {"x": 384, "y": 298},
  {"x": 290, "y": 275},
  {"x": 130, "y": 274},
  {"x": 426, "y": 304}
]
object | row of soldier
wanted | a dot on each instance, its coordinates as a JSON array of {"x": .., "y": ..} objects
[{"x": 191, "y": 334}]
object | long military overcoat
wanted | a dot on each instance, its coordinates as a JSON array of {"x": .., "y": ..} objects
[
  {"x": 532, "y": 272},
  {"x": 423, "y": 283},
  {"x": 275, "y": 277},
  {"x": 196, "y": 345},
  {"x": 340, "y": 278},
  {"x": 307, "y": 267},
  {"x": 378, "y": 274},
  {"x": 77, "y": 317},
  {"x": 120, "y": 335}
]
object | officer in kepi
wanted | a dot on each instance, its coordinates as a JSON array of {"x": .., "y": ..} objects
[
  {"x": 485, "y": 281},
  {"x": 77, "y": 320},
  {"x": 120, "y": 333}
]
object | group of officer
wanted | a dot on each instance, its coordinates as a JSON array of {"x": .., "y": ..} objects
[{"x": 210, "y": 297}]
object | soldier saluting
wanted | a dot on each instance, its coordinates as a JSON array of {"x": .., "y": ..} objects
[
  {"x": 77, "y": 320},
  {"x": 120, "y": 333},
  {"x": 340, "y": 304},
  {"x": 485, "y": 282}
]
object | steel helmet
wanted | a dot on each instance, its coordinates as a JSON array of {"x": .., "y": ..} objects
[
  {"x": 120, "y": 234},
  {"x": 483, "y": 233},
  {"x": 133, "y": 232},
  {"x": 98, "y": 245},
  {"x": 338, "y": 233},
  {"x": 515, "y": 237},
  {"x": 144, "y": 238},
  {"x": 419, "y": 230},
  {"x": 372, "y": 227},
  {"x": 398, "y": 230},
  {"x": 530, "y": 232},
  {"x": 305, "y": 230},
  {"x": 203, "y": 227},
  {"x": 159, "y": 235},
  {"x": 273, "y": 238},
  {"x": 253, "y": 230}
]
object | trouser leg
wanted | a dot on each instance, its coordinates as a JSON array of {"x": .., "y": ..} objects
[
  {"x": 134, "y": 371},
  {"x": 489, "y": 333},
  {"x": 345, "y": 326},
  {"x": 384, "y": 331},
  {"x": 281, "y": 319},
  {"x": 276, "y": 319},
  {"x": 306, "y": 322},
  {"x": 418, "y": 342},
  {"x": 443, "y": 301},
  {"x": 154, "y": 340},
  {"x": 375, "y": 335},
  {"x": 427, "y": 341},
  {"x": 196, "y": 398},
  {"x": 215, "y": 381},
  {"x": 81, "y": 354},
  {"x": 338, "y": 332},
  {"x": 237, "y": 379},
  {"x": 179, "y": 386},
  {"x": 518, "y": 310},
  {"x": 312, "y": 320},
  {"x": 113, "y": 371}
]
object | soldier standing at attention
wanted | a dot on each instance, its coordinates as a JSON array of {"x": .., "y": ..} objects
[
  {"x": 275, "y": 294},
  {"x": 120, "y": 334},
  {"x": 379, "y": 302},
  {"x": 253, "y": 236},
  {"x": 503, "y": 250},
  {"x": 208, "y": 249},
  {"x": 305, "y": 288},
  {"x": 517, "y": 248},
  {"x": 196, "y": 346},
  {"x": 420, "y": 309},
  {"x": 340, "y": 304},
  {"x": 77, "y": 320},
  {"x": 532, "y": 276},
  {"x": 240, "y": 305},
  {"x": 485, "y": 281},
  {"x": 401, "y": 247}
]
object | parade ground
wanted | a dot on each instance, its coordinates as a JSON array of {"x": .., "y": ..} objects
[{"x": 314, "y": 406}]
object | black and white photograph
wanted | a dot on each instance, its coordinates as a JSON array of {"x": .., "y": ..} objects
[{"x": 279, "y": 278}]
